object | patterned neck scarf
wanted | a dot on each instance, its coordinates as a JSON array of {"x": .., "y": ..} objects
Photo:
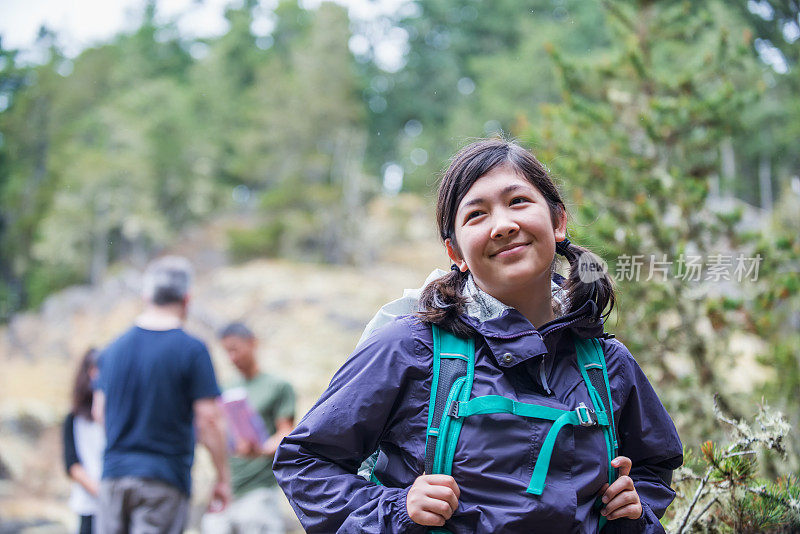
[{"x": 482, "y": 306}]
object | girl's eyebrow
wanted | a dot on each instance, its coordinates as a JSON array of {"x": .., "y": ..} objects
[{"x": 505, "y": 191}]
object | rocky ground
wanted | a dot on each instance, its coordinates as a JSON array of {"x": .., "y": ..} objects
[{"x": 309, "y": 317}]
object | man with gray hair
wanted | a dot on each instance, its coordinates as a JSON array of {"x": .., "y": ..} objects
[{"x": 155, "y": 382}]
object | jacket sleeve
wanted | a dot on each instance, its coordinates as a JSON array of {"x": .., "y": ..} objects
[
  {"x": 647, "y": 436},
  {"x": 316, "y": 465},
  {"x": 70, "y": 451}
]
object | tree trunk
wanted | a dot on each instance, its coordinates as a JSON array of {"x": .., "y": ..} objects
[
  {"x": 728, "y": 157},
  {"x": 99, "y": 260},
  {"x": 765, "y": 182}
]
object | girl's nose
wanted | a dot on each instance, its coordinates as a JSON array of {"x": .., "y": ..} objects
[{"x": 504, "y": 226}]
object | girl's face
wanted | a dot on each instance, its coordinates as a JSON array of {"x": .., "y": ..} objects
[{"x": 504, "y": 234}]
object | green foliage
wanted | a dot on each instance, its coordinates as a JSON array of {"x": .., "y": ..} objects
[
  {"x": 28, "y": 127},
  {"x": 262, "y": 242},
  {"x": 640, "y": 142},
  {"x": 472, "y": 69},
  {"x": 719, "y": 491},
  {"x": 108, "y": 156},
  {"x": 43, "y": 280},
  {"x": 775, "y": 507},
  {"x": 727, "y": 465},
  {"x": 774, "y": 314}
]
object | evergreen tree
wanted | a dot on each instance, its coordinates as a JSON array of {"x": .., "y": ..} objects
[
  {"x": 639, "y": 143},
  {"x": 303, "y": 147},
  {"x": 471, "y": 69},
  {"x": 29, "y": 127}
]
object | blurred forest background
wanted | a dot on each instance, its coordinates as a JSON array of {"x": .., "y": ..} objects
[{"x": 669, "y": 126}]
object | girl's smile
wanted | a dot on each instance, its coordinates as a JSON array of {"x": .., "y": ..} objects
[{"x": 510, "y": 250}]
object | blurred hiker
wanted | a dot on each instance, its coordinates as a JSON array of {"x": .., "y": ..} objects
[
  {"x": 84, "y": 441},
  {"x": 256, "y": 505},
  {"x": 155, "y": 382},
  {"x": 501, "y": 405}
]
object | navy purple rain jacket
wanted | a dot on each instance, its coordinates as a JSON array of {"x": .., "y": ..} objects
[{"x": 380, "y": 396}]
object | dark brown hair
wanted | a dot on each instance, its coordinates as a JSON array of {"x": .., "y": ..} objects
[
  {"x": 442, "y": 301},
  {"x": 82, "y": 387}
]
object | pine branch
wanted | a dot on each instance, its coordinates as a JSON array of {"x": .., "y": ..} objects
[
  {"x": 697, "y": 494},
  {"x": 761, "y": 491},
  {"x": 702, "y": 512},
  {"x": 620, "y": 15},
  {"x": 740, "y": 453}
]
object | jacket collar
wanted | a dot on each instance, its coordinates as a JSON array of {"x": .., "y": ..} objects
[{"x": 513, "y": 339}]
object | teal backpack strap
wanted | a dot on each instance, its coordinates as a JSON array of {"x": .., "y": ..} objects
[
  {"x": 592, "y": 364},
  {"x": 453, "y": 372}
]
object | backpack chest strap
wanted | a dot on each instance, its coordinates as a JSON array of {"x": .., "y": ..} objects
[{"x": 490, "y": 404}]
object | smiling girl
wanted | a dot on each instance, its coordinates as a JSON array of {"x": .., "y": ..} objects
[{"x": 502, "y": 221}]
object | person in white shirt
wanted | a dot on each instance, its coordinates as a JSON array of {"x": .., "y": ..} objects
[{"x": 84, "y": 442}]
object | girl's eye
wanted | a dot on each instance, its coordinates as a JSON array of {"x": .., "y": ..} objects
[
  {"x": 519, "y": 200},
  {"x": 473, "y": 214}
]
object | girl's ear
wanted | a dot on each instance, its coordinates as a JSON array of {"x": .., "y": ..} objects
[
  {"x": 560, "y": 231},
  {"x": 455, "y": 256}
]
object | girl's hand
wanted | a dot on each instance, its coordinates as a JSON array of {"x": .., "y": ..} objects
[
  {"x": 432, "y": 499},
  {"x": 620, "y": 498}
]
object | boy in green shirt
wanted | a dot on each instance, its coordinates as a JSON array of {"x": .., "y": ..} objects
[{"x": 256, "y": 504}]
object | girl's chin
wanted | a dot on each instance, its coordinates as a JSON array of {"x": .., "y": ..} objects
[{"x": 511, "y": 279}]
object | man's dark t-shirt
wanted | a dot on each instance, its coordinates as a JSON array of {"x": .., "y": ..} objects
[{"x": 150, "y": 380}]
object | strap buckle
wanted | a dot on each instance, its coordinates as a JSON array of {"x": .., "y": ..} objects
[
  {"x": 453, "y": 410},
  {"x": 586, "y": 417}
]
